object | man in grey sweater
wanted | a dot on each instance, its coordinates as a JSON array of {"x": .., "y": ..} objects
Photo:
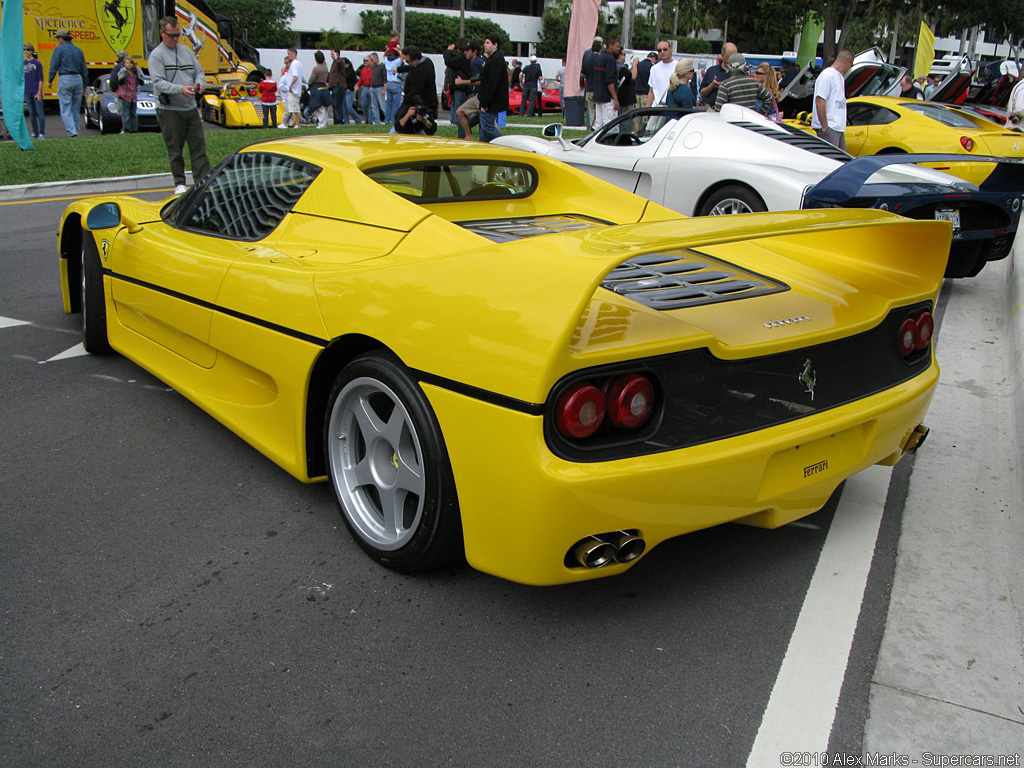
[{"x": 177, "y": 78}]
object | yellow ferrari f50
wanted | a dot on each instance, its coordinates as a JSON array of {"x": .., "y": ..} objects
[{"x": 492, "y": 355}]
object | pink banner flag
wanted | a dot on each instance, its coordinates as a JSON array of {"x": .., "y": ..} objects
[{"x": 582, "y": 29}]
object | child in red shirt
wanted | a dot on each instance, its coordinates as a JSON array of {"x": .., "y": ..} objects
[{"x": 268, "y": 99}]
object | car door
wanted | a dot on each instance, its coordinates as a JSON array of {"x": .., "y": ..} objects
[
  {"x": 881, "y": 131},
  {"x": 171, "y": 271},
  {"x": 613, "y": 154},
  {"x": 858, "y": 119}
]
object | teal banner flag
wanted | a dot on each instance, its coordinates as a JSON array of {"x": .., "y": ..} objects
[{"x": 12, "y": 72}]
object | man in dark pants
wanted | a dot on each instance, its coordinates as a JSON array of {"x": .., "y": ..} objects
[
  {"x": 177, "y": 78},
  {"x": 337, "y": 86},
  {"x": 457, "y": 65},
  {"x": 531, "y": 88},
  {"x": 493, "y": 88}
]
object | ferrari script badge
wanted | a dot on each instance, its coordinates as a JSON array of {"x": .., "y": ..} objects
[{"x": 808, "y": 378}]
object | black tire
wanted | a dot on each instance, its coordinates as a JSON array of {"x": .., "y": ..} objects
[
  {"x": 432, "y": 536},
  {"x": 743, "y": 196},
  {"x": 93, "y": 301},
  {"x": 100, "y": 123}
]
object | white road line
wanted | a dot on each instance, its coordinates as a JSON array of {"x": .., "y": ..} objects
[
  {"x": 10, "y": 322},
  {"x": 803, "y": 703},
  {"x": 76, "y": 351}
]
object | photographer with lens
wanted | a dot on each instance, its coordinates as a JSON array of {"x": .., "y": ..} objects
[
  {"x": 419, "y": 84},
  {"x": 414, "y": 117}
]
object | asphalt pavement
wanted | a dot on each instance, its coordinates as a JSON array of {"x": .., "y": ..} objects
[{"x": 169, "y": 596}]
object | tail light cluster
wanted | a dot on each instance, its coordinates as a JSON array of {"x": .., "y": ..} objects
[
  {"x": 967, "y": 143},
  {"x": 915, "y": 333},
  {"x": 626, "y": 401}
]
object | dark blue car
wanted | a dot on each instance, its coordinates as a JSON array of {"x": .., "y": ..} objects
[{"x": 103, "y": 108}]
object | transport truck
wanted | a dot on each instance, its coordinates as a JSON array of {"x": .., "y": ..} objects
[{"x": 103, "y": 27}]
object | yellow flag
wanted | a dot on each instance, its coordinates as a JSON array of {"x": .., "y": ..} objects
[{"x": 925, "y": 51}]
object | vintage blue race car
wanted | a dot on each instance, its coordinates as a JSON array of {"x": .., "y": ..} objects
[{"x": 103, "y": 108}]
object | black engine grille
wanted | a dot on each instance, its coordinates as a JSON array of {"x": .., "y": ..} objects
[
  {"x": 797, "y": 138},
  {"x": 681, "y": 279}
]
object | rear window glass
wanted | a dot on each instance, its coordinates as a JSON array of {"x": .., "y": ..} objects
[
  {"x": 456, "y": 181},
  {"x": 943, "y": 115}
]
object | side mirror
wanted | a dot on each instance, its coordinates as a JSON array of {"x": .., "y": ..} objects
[
  {"x": 108, "y": 215},
  {"x": 553, "y": 131},
  {"x": 103, "y": 216}
]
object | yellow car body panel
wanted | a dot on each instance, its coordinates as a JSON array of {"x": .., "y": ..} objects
[
  {"x": 913, "y": 132},
  {"x": 248, "y": 330},
  {"x": 234, "y": 106}
]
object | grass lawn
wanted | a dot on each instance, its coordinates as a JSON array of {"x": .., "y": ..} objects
[{"x": 94, "y": 157}]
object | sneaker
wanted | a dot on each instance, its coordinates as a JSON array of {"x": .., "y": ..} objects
[
  {"x": 179, "y": 189},
  {"x": 282, "y": 126}
]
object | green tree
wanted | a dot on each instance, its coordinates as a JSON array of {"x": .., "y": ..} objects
[
  {"x": 431, "y": 32},
  {"x": 268, "y": 21}
]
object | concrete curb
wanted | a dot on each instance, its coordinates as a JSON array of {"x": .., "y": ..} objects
[{"x": 87, "y": 186}]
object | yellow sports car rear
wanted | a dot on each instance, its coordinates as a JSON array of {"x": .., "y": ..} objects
[{"x": 494, "y": 356}]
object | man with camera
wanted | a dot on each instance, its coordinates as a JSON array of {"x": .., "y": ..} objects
[
  {"x": 414, "y": 117},
  {"x": 177, "y": 78},
  {"x": 419, "y": 80}
]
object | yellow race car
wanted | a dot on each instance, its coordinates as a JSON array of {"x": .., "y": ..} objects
[
  {"x": 234, "y": 105},
  {"x": 492, "y": 355},
  {"x": 883, "y": 125}
]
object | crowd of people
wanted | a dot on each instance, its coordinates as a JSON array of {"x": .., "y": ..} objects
[{"x": 399, "y": 89}]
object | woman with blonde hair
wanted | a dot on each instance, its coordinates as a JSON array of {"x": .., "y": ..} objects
[
  {"x": 679, "y": 93},
  {"x": 765, "y": 74}
]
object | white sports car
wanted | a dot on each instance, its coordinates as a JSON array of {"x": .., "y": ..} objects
[{"x": 736, "y": 161}]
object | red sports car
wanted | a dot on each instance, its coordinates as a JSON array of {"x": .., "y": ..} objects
[{"x": 550, "y": 97}]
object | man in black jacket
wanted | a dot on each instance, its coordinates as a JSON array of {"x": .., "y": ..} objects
[
  {"x": 419, "y": 81},
  {"x": 493, "y": 88},
  {"x": 458, "y": 68}
]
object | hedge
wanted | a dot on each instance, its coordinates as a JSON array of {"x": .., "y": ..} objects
[{"x": 431, "y": 32}]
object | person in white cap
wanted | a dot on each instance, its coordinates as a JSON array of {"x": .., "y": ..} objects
[{"x": 532, "y": 75}]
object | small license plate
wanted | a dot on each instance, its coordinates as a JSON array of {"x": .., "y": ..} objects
[{"x": 949, "y": 214}]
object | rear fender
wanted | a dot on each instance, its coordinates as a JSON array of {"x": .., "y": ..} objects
[{"x": 847, "y": 182}]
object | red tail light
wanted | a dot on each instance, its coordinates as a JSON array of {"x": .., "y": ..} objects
[
  {"x": 925, "y": 326},
  {"x": 967, "y": 143},
  {"x": 630, "y": 401},
  {"x": 580, "y": 411},
  {"x": 915, "y": 333}
]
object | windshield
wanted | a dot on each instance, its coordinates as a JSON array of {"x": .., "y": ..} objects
[
  {"x": 637, "y": 127},
  {"x": 943, "y": 115}
]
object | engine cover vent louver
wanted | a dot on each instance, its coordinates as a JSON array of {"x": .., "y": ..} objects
[
  {"x": 681, "y": 279},
  {"x": 506, "y": 230},
  {"x": 797, "y": 138}
]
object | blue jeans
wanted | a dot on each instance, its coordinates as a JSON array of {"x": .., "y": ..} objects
[
  {"x": 338, "y": 102},
  {"x": 393, "y": 97},
  {"x": 489, "y": 126},
  {"x": 457, "y": 98},
  {"x": 69, "y": 93},
  {"x": 129, "y": 116},
  {"x": 350, "y": 110},
  {"x": 36, "y": 115},
  {"x": 366, "y": 101},
  {"x": 376, "y": 103}
]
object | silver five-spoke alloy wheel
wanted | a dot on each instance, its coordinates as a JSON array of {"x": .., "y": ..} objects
[
  {"x": 376, "y": 462},
  {"x": 730, "y": 205}
]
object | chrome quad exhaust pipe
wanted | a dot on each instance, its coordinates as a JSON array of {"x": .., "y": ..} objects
[{"x": 602, "y": 549}]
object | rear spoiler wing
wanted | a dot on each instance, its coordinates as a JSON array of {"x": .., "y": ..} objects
[{"x": 846, "y": 182}]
